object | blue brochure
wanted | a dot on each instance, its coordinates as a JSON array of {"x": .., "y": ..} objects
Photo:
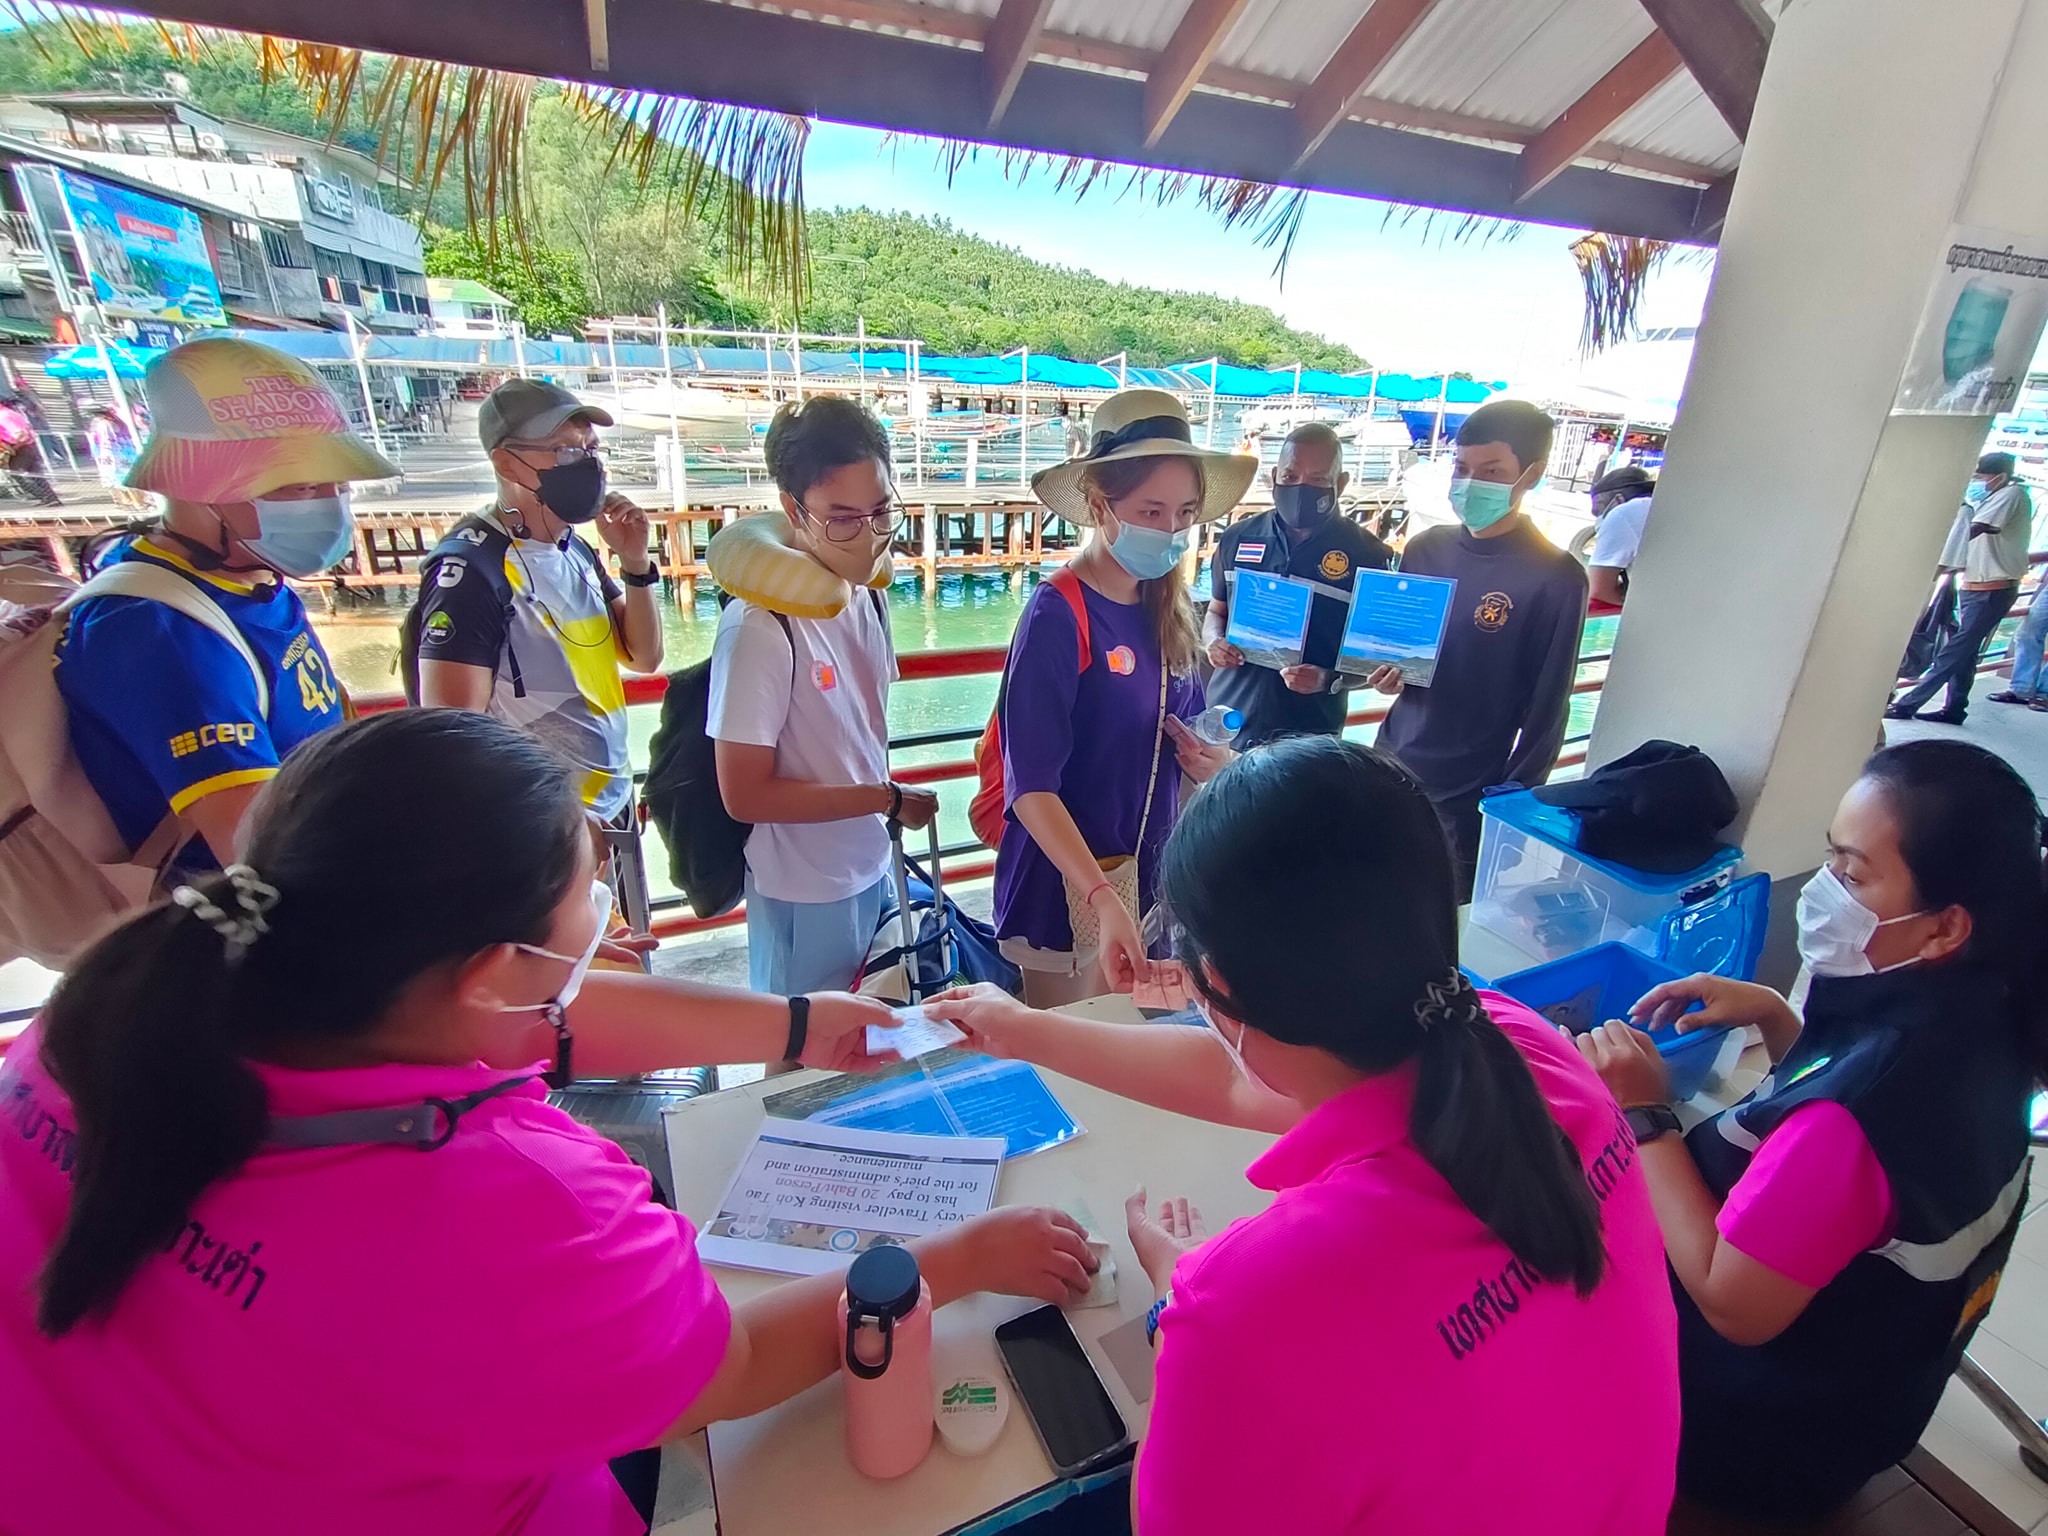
[
  {"x": 1269, "y": 618},
  {"x": 1396, "y": 620},
  {"x": 947, "y": 1093}
]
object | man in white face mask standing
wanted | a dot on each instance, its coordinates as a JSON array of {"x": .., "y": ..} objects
[
  {"x": 1495, "y": 711},
  {"x": 172, "y": 715}
]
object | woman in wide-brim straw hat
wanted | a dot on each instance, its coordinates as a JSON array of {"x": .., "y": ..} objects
[{"x": 1095, "y": 754}]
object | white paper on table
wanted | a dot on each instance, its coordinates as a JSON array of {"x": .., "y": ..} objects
[
  {"x": 915, "y": 1034},
  {"x": 809, "y": 1198}
]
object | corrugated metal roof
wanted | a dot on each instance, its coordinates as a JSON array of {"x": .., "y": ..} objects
[
  {"x": 1147, "y": 24},
  {"x": 1289, "y": 39},
  {"x": 1678, "y": 120}
]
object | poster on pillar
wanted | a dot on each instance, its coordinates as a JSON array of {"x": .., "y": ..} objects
[{"x": 1977, "y": 335}]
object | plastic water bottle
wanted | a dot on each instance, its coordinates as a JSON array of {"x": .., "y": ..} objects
[
  {"x": 885, "y": 1319},
  {"x": 1218, "y": 725}
]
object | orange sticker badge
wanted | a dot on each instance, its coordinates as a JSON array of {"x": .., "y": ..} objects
[
  {"x": 824, "y": 676},
  {"x": 1121, "y": 661}
]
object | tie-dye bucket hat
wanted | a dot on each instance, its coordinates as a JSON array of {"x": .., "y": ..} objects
[{"x": 231, "y": 419}]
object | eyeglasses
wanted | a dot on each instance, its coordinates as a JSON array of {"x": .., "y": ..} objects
[
  {"x": 565, "y": 454},
  {"x": 844, "y": 530}
]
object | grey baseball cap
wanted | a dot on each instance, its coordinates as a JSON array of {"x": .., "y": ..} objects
[{"x": 531, "y": 409}]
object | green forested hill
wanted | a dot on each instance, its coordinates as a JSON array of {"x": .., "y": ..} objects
[
  {"x": 602, "y": 246},
  {"x": 960, "y": 293}
]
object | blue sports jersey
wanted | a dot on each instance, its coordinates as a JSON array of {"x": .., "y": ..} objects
[{"x": 164, "y": 712}]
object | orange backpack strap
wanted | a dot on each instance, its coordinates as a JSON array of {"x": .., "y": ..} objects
[{"x": 1067, "y": 582}]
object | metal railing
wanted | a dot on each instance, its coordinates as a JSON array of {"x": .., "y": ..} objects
[{"x": 670, "y": 920}]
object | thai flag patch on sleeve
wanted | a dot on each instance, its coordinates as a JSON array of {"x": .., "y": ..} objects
[{"x": 1251, "y": 554}]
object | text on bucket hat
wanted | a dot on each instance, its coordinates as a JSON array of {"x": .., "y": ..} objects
[
  {"x": 1144, "y": 424},
  {"x": 232, "y": 419}
]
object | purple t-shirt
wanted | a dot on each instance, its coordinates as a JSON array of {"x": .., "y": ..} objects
[{"x": 1086, "y": 737}]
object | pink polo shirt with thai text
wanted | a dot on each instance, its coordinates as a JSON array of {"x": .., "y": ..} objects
[
  {"x": 354, "y": 1340},
  {"x": 1365, "y": 1357}
]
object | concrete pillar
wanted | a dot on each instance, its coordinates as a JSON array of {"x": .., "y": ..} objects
[{"x": 1798, "y": 521}]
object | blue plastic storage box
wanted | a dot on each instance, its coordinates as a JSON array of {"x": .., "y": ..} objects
[
  {"x": 1537, "y": 891},
  {"x": 1585, "y": 990}
]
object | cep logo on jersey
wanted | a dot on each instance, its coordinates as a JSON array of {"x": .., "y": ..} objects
[{"x": 229, "y": 733}]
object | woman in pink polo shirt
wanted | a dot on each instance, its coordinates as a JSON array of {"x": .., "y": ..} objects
[
  {"x": 1838, "y": 1235},
  {"x": 280, "y": 1252},
  {"x": 1457, "y": 1293}
]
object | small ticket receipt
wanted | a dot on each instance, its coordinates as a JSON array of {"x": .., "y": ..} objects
[
  {"x": 1168, "y": 990},
  {"x": 916, "y": 1033}
]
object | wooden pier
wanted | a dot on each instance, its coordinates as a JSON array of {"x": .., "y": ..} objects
[{"x": 946, "y": 529}]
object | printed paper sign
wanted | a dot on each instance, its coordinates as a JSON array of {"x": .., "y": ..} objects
[
  {"x": 1269, "y": 618},
  {"x": 809, "y": 1198},
  {"x": 1396, "y": 620},
  {"x": 1977, "y": 335}
]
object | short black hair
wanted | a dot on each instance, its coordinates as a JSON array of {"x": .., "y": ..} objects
[
  {"x": 1997, "y": 464},
  {"x": 1525, "y": 428},
  {"x": 1627, "y": 482},
  {"x": 1316, "y": 434},
  {"x": 808, "y": 440}
]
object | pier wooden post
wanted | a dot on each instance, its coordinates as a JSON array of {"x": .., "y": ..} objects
[{"x": 930, "y": 537}]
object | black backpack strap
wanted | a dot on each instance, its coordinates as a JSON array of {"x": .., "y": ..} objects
[{"x": 427, "y": 1125}]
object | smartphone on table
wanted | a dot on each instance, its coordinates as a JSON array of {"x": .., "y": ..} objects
[{"x": 1076, "y": 1420}]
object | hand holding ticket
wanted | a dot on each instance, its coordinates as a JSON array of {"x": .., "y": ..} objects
[
  {"x": 1166, "y": 992},
  {"x": 916, "y": 1033}
]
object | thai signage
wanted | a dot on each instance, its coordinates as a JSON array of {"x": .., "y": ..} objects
[
  {"x": 147, "y": 259},
  {"x": 1978, "y": 332}
]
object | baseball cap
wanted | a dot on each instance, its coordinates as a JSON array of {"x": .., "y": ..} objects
[
  {"x": 232, "y": 419},
  {"x": 531, "y": 409},
  {"x": 1997, "y": 464}
]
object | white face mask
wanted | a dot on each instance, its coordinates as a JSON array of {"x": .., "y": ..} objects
[
  {"x": 1235, "y": 1048},
  {"x": 579, "y": 965},
  {"x": 1835, "y": 928}
]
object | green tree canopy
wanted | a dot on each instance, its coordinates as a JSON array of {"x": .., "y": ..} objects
[{"x": 545, "y": 284}]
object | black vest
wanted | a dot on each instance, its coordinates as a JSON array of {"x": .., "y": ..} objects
[{"x": 1929, "y": 1061}]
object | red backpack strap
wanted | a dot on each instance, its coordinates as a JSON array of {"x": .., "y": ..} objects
[{"x": 1067, "y": 582}]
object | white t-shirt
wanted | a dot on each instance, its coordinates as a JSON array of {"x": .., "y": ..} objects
[
  {"x": 825, "y": 712},
  {"x": 1621, "y": 534},
  {"x": 2000, "y": 556}
]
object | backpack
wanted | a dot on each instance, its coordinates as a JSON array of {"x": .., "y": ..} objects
[
  {"x": 707, "y": 847},
  {"x": 480, "y": 544},
  {"x": 986, "y": 812},
  {"x": 66, "y": 874}
]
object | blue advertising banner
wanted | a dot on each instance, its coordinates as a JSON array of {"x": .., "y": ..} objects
[{"x": 147, "y": 258}]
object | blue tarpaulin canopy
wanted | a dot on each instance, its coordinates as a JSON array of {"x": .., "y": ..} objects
[{"x": 968, "y": 373}]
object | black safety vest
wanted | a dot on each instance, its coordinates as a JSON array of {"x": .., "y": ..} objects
[{"x": 1929, "y": 1060}]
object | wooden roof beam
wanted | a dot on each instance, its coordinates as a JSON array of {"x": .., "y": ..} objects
[
  {"x": 1706, "y": 225},
  {"x": 1723, "y": 43},
  {"x": 1327, "y": 101},
  {"x": 1582, "y": 124},
  {"x": 1194, "y": 43},
  {"x": 1008, "y": 47}
]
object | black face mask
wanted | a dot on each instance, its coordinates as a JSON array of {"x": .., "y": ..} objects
[
  {"x": 573, "y": 492},
  {"x": 1302, "y": 507}
]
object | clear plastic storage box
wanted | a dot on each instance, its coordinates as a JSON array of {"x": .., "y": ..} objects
[{"x": 1544, "y": 897}]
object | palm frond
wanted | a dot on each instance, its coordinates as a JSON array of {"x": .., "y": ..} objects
[
  {"x": 748, "y": 163},
  {"x": 1616, "y": 271}
]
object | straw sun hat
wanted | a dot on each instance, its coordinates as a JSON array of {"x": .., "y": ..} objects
[{"x": 1144, "y": 424}]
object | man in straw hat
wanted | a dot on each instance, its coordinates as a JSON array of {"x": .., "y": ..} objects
[
  {"x": 1100, "y": 677},
  {"x": 168, "y": 716}
]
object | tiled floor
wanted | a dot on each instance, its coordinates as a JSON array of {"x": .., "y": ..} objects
[{"x": 2013, "y": 1346}]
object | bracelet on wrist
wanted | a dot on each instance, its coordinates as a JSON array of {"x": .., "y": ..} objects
[
  {"x": 799, "y": 1027},
  {"x": 895, "y": 801},
  {"x": 1100, "y": 885}
]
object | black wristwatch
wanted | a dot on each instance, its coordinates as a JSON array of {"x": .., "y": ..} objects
[
  {"x": 1649, "y": 1121},
  {"x": 646, "y": 578},
  {"x": 799, "y": 1027}
]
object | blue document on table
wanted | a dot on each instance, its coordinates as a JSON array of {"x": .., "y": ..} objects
[
  {"x": 1396, "y": 620},
  {"x": 947, "y": 1093},
  {"x": 1269, "y": 618}
]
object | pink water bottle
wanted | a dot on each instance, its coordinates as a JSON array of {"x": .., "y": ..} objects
[{"x": 886, "y": 1317}]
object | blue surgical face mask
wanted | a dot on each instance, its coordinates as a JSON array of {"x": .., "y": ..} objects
[
  {"x": 1480, "y": 503},
  {"x": 302, "y": 538},
  {"x": 1148, "y": 553},
  {"x": 1977, "y": 492}
]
